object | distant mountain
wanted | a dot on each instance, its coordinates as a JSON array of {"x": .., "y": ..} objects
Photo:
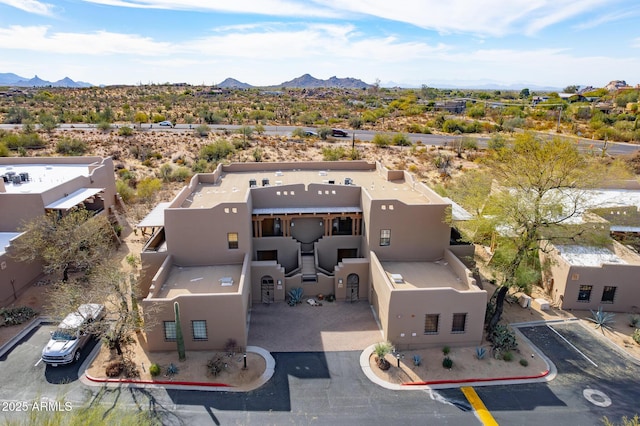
[
  {"x": 10, "y": 79},
  {"x": 309, "y": 82},
  {"x": 232, "y": 83}
]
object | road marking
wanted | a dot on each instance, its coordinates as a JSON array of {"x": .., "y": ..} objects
[
  {"x": 36, "y": 364},
  {"x": 485, "y": 416},
  {"x": 576, "y": 349},
  {"x": 596, "y": 397}
]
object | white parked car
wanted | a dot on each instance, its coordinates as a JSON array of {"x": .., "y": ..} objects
[
  {"x": 165, "y": 124},
  {"x": 71, "y": 336}
]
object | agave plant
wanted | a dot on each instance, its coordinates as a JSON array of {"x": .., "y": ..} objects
[
  {"x": 295, "y": 296},
  {"x": 602, "y": 320},
  {"x": 480, "y": 352}
]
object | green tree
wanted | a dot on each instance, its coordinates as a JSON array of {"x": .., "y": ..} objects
[
  {"x": 573, "y": 88},
  {"x": 77, "y": 240},
  {"x": 524, "y": 93},
  {"x": 141, "y": 117},
  {"x": 542, "y": 184}
]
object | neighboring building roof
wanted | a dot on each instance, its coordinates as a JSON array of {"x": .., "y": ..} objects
[
  {"x": 457, "y": 211},
  {"x": 155, "y": 217},
  {"x": 73, "y": 199},
  {"x": 588, "y": 256},
  {"x": 5, "y": 240},
  {"x": 42, "y": 177}
]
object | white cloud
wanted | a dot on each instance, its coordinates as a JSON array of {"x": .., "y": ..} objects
[
  {"x": 606, "y": 18},
  {"x": 37, "y": 38},
  {"x": 635, "y": 42},
  {"x": 31, "y": 6},
  {"x": 262, "y": 7}
]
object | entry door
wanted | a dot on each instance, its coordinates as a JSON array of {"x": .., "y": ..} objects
[
  {"x": 353, "y": 287},
  {"x": 266, "y": 286}
]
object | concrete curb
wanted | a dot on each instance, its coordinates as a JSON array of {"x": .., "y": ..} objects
[
  {"x": 177, "y": 384},
  {"x": 548, "y": 375},
  {"x": 35, "y": 323}
]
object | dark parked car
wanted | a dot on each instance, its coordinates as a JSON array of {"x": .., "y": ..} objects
[{"x": 339, "y": 133}]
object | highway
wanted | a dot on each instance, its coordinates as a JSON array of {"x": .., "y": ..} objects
[{"x": 612, "y": 148}]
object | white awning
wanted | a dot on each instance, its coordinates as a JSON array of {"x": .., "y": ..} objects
[
  {"x": 73, "y": 199},
  {"x": 155, "y": 216}
]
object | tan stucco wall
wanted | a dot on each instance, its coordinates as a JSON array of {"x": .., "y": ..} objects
[
  {"x": 418, "y": 232},
  {"x": 23, "y": 275},
  {"x": 199, "y": 236},
  {"x": 305, "y": 196},
  {"x": 287, "y": 249},
  {"x": 352, "y": 266},
  {"x": 328, "y": 249},
  {"x": 272, "y": 269}
]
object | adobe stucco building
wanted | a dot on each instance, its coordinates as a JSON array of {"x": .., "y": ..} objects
[
  {"x": 30, "y": 187},
  {"x": 248, "y": 233}
]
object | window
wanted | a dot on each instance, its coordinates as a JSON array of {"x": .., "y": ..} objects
[
  {"x": 232, "y": 240},
  {"x": 385, "y": 237},
  {"x": 459, "y": 323},
  {"x": 199, "y": 329},
  {"x": 431, "y": 323},
  {"x": 584, "y": 295},
  {"x": 608, "y": 294},
  {"x": 170, "y": 331}
]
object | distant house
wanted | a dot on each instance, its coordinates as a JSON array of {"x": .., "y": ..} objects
[
  {"x": 539, "y": 99},
  {"x": 456, "y": 107}
]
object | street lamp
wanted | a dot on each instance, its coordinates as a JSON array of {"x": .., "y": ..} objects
[{"x": 245, "y": 361}]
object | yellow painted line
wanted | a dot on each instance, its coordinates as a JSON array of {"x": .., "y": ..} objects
[{"x": 485, "y": 416}]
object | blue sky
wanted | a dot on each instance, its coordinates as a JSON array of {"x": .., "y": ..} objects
[{"x": 263, "y": 42}]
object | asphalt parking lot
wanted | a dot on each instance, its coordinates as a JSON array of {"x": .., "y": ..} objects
[{"x": 25, "y": 377}]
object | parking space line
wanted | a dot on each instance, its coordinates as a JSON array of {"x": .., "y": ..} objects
[
  {"x": 485, "y": 416},
  {"x": 570, "y": 344}
]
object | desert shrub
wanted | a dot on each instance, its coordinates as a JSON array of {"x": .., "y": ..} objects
[
  {"x": 126, "y": 192},
  {"x": 216, "y": 365},
  {"x": 4, "y": 151},
  {"x": 524, "y": 362},
  {"x": 333, "y": 154},
  {"x": 148, "y": 188},
  {"x": 503, "y": 340},
  {"x": 216, "y": 151},
  {"x": 324, "y": 132},
  {"x": 71, "y": 146},
  {"x": 202, "y": 131},
  {"x": 257, "y": 155},
  {"x": 125, "y": 131},
  {"x": 400, "y": 139},
  {"x": 634, "y": 320},
  {"x": 446, "y": 350},
  {"x": 636, "y": 336},
  {"x": 447, "y": 362},
  {"x": 507, "y": 356},
  {"x": 355, "y": 122},
  {"x": 130, "y": 369},
  {"x": 16, "y": 315},
  {"x": 154, "y": 370},
  {"x": 381, "y": 350},
  {"x": 298, "y": 132},
  {"x": 181, "y": 174},
  {"x": 15, "y": 141},
  {"x": 104, "y": 126},
  {"x": 381, "y": 140},
  {"x": 417, "y": 360},
  {"x": 114, "y": 368}
]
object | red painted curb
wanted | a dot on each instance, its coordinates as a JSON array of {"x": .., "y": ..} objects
[
  {"x": 158, "y": 382},
  {"x": 493, "y": 379}
]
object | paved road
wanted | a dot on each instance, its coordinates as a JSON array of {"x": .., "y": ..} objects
[
  {"x": 561, "y": 401},
  {"x": 612, "y": 148}
]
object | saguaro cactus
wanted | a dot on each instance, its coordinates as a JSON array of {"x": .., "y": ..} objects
[{"x": 179, "y": 337}]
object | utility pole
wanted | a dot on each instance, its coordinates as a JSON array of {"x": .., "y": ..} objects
[{"x": 559, "y": 114}]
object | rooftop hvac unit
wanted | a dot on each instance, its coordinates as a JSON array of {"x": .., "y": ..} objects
[
  {"x": 252, "y": 183},
  {"x": 17, "y": 180},
  {"x": 265, "y": 182},
  {"x": 24, "y": 176},
  {"x": 348, "y": 181}
]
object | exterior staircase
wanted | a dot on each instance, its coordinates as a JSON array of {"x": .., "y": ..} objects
[{"x": 309, "y": 273}]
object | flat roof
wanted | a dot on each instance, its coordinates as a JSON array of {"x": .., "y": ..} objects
[
  {"x": 73, "y": 199},
  {"x": 597, "y": 256},
  {"x": 423, "y": 275},
  {"x": 5, "y": 239},
  {"x": 201, "y": 280},
  {"x": 233, "y": 186},
  {"x": 42, "y": 177},
  {"x": 155, "y": 216}
]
